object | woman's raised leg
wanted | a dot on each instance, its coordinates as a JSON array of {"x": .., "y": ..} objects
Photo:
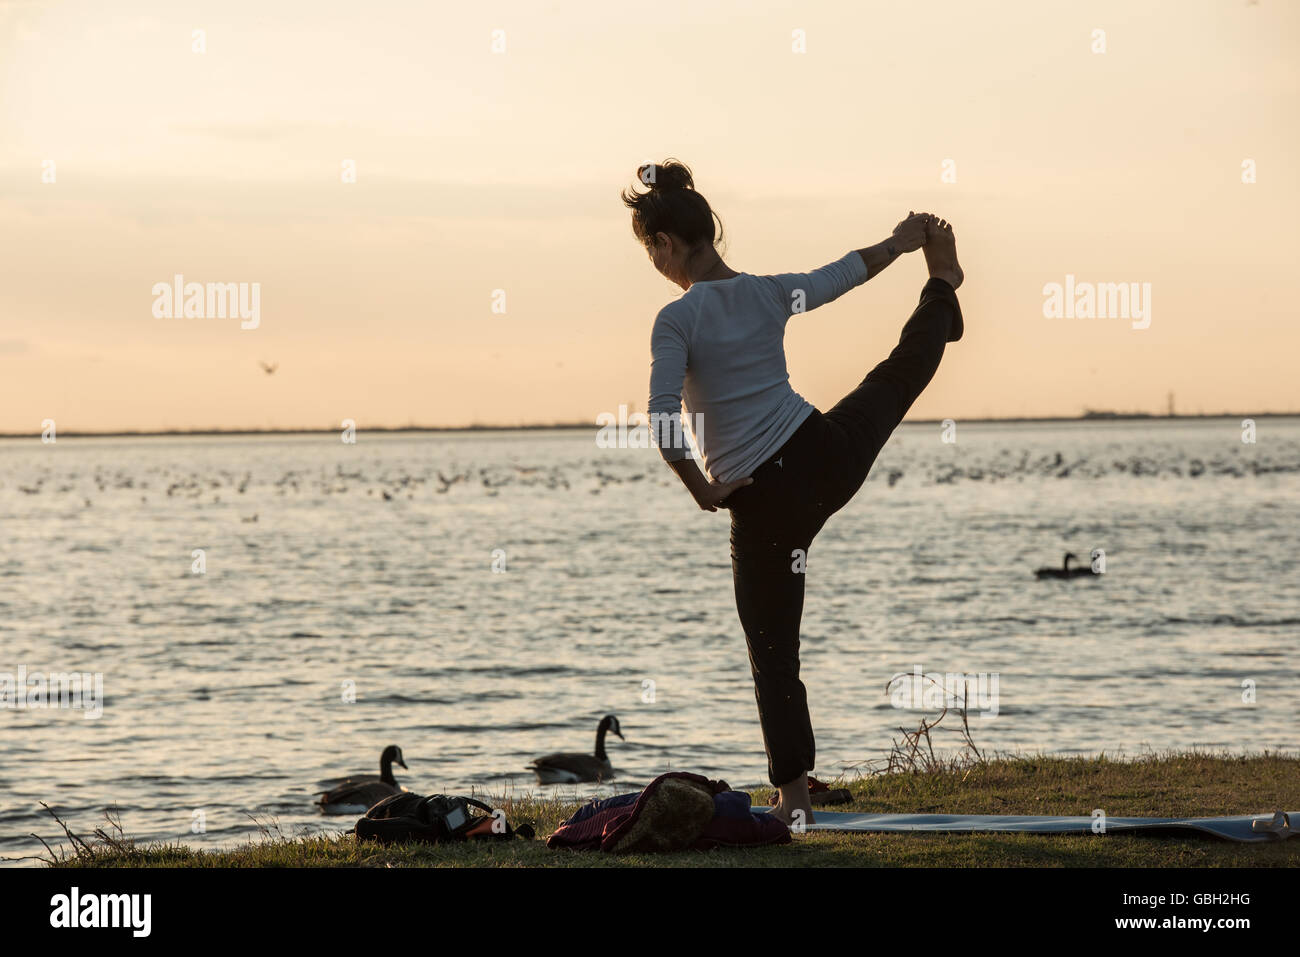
[{"x": 864, "y": 419}]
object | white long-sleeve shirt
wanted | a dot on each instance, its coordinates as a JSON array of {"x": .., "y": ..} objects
[{"x": 719, "y": 349}]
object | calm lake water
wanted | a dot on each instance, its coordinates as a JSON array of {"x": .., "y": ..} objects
[{"x": 224, "y": 692}]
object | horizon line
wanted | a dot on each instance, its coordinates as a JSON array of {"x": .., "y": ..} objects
[{"x": 1088, "y": 416}]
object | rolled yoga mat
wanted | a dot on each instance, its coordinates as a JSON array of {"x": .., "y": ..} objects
[{"x": 1246, "y": 828}]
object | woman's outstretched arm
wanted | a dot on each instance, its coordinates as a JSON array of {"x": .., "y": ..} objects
[
  {"x": 908, "y": 235},
  {"x": 803, "y": 292},
  {"x": 879, "y": 256}
]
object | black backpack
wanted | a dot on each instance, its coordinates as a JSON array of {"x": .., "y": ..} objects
[{"x": 436, "y": 819}]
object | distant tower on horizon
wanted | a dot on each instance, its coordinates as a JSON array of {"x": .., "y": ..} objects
[{"x": 1171, "y": 405}]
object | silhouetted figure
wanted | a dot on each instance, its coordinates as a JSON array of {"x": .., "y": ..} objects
[{"x": 781, "y": 466}]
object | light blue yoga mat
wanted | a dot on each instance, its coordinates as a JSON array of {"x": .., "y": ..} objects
[{"x": 1247, "y": 828}]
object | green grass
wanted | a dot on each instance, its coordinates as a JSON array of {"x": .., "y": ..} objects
[{"x": 1171, "y": 785}]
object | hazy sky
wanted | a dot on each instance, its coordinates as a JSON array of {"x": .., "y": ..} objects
[{"x": 479, "y": 171}]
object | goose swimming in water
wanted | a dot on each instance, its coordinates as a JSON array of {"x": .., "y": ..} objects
[
  {"x": 1065, "y": 571},
  {"x": 574, "y": 767},
  {"x": 357, "y": 795}
]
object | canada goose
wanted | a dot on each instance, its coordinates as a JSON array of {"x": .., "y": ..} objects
[
  {"x": 357, "y": 795},
  {"x": 571, "y": 768},
  {"x": 1065, "y": 571}
]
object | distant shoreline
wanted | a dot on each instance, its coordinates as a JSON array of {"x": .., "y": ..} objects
[{"x": 577, "y": 426}]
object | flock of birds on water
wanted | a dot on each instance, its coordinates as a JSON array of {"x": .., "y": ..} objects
[
  {"x": 359, "y": 793},
  {"x": 397, "y": 483},
  {"x": 197, "y": 485}
]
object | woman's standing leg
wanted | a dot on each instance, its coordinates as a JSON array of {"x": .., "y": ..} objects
[{"x": 773, "y": 522}]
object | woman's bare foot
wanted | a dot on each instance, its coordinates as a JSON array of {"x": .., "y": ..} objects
[
  {"x": 788, "y": 819},
  {"x": 794, "y": 803},
  {"x": 941, "y": 252}
]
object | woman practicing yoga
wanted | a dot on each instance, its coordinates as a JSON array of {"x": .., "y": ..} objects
[{"x": 781, "y": 466}]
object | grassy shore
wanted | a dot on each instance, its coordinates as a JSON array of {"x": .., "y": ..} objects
[{"x": 1171, "y": 785}]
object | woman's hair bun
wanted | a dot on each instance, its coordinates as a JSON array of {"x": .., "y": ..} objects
[
  {"x": 670, "y": 204},
  {"x": 670, "y": 174}
]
